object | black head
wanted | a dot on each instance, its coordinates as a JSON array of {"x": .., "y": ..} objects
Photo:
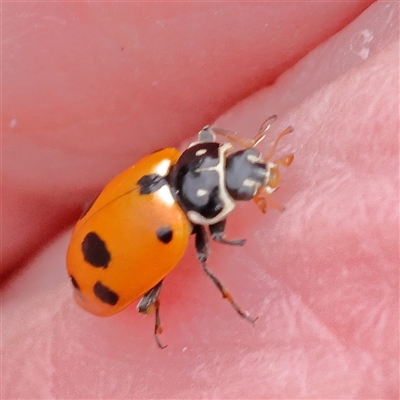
[{"x": 246, "y": 172}]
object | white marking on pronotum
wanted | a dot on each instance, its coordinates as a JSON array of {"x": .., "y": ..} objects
[
  {"x": 226, "y": 199},
  {"x": 165, "y": 195},
  {"x": 200, "y": 152},
  {"x": 162, "y": 168},
  {"x": 201, "y": 192}
]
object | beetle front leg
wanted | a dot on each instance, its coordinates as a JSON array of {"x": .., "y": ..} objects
[{"x": 147, "y": 304}]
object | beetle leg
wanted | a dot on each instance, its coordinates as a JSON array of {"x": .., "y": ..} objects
[
  {"x": 285, "y": 161},
  {"x": 202, "y": 248},
  {"x": 150, "y": 302},
  {"x": 218, "y": 234},
  {"x": 261, "y": 202},
  {"x": 264, "y": 201}
]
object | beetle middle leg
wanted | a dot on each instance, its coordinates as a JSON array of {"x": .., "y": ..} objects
[
  {"x": 218, "y": 234},
  {"x": 147, "y": 304},
  {"x": 203, "y": 250}
]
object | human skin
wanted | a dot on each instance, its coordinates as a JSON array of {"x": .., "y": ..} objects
[{"x": 89, "y": 89}]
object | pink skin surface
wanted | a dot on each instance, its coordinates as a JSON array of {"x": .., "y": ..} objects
[{"x": 90, "y": 88}]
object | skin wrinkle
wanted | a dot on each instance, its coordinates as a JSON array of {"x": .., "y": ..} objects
[{"x": 337, "y": 222}]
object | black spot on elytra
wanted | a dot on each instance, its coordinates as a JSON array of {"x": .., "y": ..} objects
[
  {"x": 151, "y": 183},
  {"x": 95, "y": 251},
  {"x": 74, "y": 282},
  {"x": 105, "y": 294},
  {"x": 164, "y": 234}
]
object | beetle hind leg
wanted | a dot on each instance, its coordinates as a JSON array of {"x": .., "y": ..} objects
[{"x": 149, "y": 302}]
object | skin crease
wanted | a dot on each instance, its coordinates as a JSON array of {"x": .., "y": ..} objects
[{"x": 322, "y": 276}]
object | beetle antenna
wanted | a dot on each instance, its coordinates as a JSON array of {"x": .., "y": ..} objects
[
  {"x": 267, "y": 123},
  {"x": 288, "y": 130}
]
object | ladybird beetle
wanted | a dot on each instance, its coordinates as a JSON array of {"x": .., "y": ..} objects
[{"x": 137, "y": 229}]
